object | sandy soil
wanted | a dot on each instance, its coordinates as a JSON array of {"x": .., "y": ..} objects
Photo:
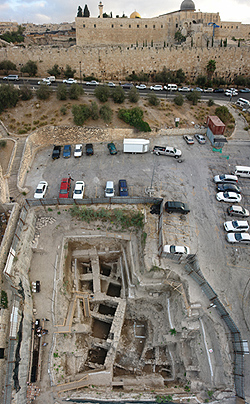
[{"x": 29, "y": 115}]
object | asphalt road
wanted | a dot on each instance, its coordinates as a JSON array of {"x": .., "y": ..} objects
[{"x": 167, "y": 94}]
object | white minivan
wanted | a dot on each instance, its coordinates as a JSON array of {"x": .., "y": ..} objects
[
  {"x": 242, "y": 171},
  {"x": 171, "y": 87},
  {"x": 109, "y": 189}
]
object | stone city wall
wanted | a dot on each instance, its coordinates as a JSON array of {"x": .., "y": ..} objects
[
  {"x": 9, "y": 232},
  {"x": 116, "y": 62}
]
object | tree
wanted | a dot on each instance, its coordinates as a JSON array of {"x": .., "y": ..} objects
[
  {"x": 43, "y": 92},
  {"x": 106, "y": 113},
  {"x": 194, "y": 96},
  {"x": 201, "y": 81},
  {"x": 54, "y": 71},
  {"x": 80, "y": 113},
  {"x": 79, "y": 12},
  {"x": 224, "y": 114},
  {"x": 211, "y": 67},
  {"x": 26, "y": 93},
  {"x": 7, "y": 65},
  {"x": 75, "y": 91},
  {"x": 94, "y": 111},
  {"x": 86, "y": 12},
  {"x": 240, "y": 81},
  {"x": 8, "y": 96},
  {"x": 102, "y": 93},
  {"x": 14, "y": 36},
  {"x": 30, "y": 67},
  {"x": 153, "y": 100},
  {"x": 133, "y": 95},
  {"x": 179, "y": 37},
  {"x": 134, "y": 117},
  {"x": 179, "y": 100},
  {"x": 61, "y": 92},
  {"x": 69, "y": 72},
  {"x": 118, "y": 95},
  {"x": 180, "y": 76}
]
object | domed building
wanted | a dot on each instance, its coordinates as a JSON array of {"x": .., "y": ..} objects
[
  {"x": 135, "y": 15},
  {"x": 187, "y": 5}
]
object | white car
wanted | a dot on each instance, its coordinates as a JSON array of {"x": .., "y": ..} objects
[
  {"x": 141, "y": 87},
  {"x": 242, "y": 238},
  {"x": 41, "y": 190},
  {"x": 78, "y": 150},
  {"x": 110, "y": 84},
  {"x": 228, "y": 197},
  {"x": 225, "y": 178},
  {"x": 45, "y": 81},
  {"x": 92, "y": 83},
  {"x": 236, "y": 225},
  {"x": 175, "y": 249},
  {"x": 156, "y": 87},
  {"x": 208, "y": 90},
  {"x": 231, "y": 93},
  {"x": 237, "y": 210},
  {"x": 79, "y": 190},
  {"x": 200, "y": 138},
  {"x": 70, "y": 81},
  {"x": 184, "y": 89},
  {"x": 109, "y": 189}
]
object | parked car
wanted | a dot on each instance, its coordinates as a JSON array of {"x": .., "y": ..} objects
[
  {"x": 70, "y": 81},
  {"x": 123, "y": 189},
  {"x": 78, "y": 150},
  {"x": 236, "y": 210},
  {"x": 231, "y": 93},
  {"x": 41, "y": 190},
  {"x": 245, "y": 90},
  {"x": 236, "y": 225},
  {"x": 112, "y": 148},
  {"x": 12, "y": 77},
  {"x": 92, "y": 83},
  {"x": 197, "y": 89},
  {"x": 208, "y": 90},
  {"x": 175, "y": 206},
  {"x": 110, "y": 84},
  {"x": 175, "y": 249},
  {"x": 184, "y": 89},
  {"x": 167, "y": 151},
  {"x": 65, "y": 188},
  {"x": 188, "y": 139},
  {"x": 89, "y": 149},
  {"x": 218, "y": 90},
  {"x": 56, "y": 152},
  {"x": 109, "y": 189},
  {"x": 228, "y": 197},
  {"x": 45, "y": 81},
  {"x": 79, "y": 190},
  {"x": 200, "y": 138},
  {"x": 226, "y": 178},
  {"x": 228, "y": 187},
  {"x": 141, "y": 87},
  {"x": 67, "y": 151},
  {"x": 156, "y": 87},
  {"x": 242, "y": 238},
  {"x": 127, "y": 86}
]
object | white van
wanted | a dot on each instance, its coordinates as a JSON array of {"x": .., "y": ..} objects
[
  {"x": 171, "y": 87},
  {"x": 242, "y": 171},
  {"x": 242, "y": 102},
  {"x": 109, "y": 189}
]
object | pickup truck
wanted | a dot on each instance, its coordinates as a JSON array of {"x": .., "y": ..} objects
[{"x": 167, "y": 151}]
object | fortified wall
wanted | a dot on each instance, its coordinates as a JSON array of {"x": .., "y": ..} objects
[{"x": 116, "y": 62}]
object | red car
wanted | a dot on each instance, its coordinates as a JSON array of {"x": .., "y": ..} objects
[{"x": 65, "y": 188}]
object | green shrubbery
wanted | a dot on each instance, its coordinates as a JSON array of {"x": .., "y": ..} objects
[
  {"x": 133, "y": 117},
  {"x": 80, "y": 113}
]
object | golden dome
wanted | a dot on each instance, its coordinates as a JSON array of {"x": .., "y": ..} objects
[{"x": 135, "y": 15}]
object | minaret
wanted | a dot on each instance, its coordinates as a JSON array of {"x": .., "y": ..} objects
[{"x": 100, "y": 9}]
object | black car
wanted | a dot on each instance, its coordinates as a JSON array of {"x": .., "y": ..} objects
[
  {"x": 89, "y": 149},
  {"x": 56, "y": 152},
  {"x": 218, "y": 90},
  {"x": 123, "y": 188},
  {"x": 228, "y": 187},
  {"x": 127, "y": 86},
  {"x": 175, "y": 206}
]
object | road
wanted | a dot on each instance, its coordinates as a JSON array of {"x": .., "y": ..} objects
[{"x": 167, "y": 94}]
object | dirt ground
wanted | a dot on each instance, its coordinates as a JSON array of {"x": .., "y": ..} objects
[{"x": 32, "y": 114}]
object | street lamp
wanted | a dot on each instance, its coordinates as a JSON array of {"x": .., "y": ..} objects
[{"x": 80, "y": 72}]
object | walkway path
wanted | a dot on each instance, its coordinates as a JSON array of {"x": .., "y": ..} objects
[{"x": 13, "y": 190}]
